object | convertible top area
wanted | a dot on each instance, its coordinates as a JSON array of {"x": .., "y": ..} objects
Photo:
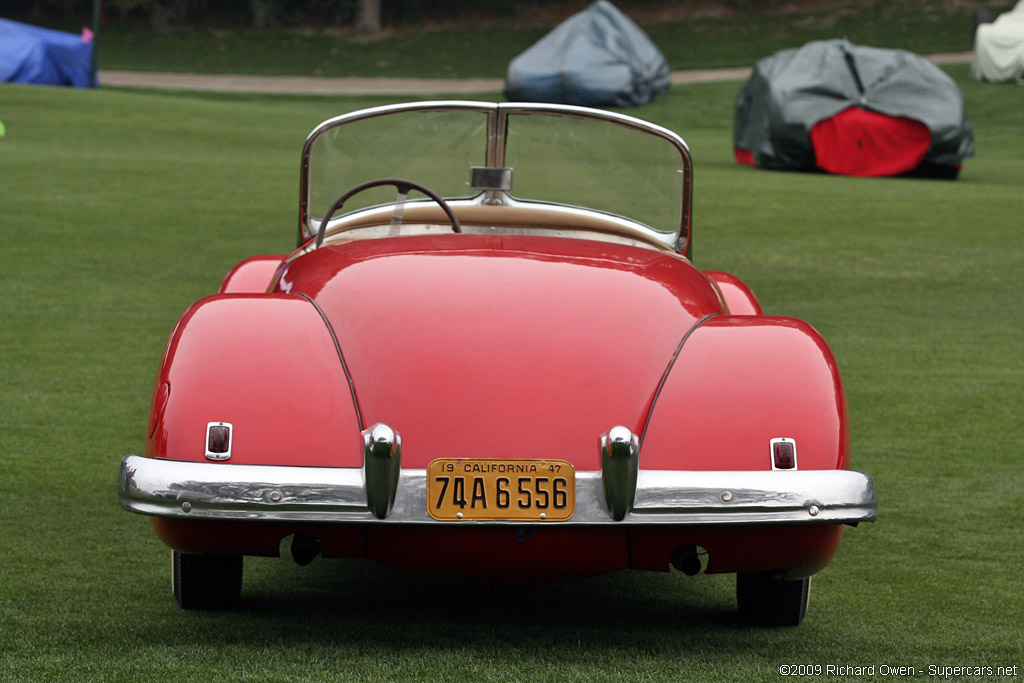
[{"x": 590, "y": 169}]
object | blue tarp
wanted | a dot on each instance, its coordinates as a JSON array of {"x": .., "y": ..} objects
[
  {"x": 597, "y": 57},
  {"x": 29, "y": 54}
]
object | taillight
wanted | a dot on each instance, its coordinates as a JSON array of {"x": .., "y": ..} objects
[
  {"x": 783, "y": 454},
  {"x": 218, "y": 441}
]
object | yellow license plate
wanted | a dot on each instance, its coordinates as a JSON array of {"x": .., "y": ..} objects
[{"x": 494, "y": 489}]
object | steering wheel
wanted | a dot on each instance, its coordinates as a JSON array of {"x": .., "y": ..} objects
[{"x": 403, "y": 187}]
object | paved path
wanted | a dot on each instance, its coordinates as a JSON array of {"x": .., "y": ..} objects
[{"x": 311, "y": 85}]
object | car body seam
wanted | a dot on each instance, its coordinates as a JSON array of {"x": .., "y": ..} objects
[
  {"x": 668, "y": 370},
  {"x": 341, "y": 357}
]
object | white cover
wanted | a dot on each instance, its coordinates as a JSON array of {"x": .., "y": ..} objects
[{"x": 999, "y": 48}]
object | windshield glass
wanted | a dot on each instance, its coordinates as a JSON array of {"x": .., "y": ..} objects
[
  {"x": 588, "y": 162},
  {"x": 435, "y": 149},
  {"x": 557, "y": 154}
]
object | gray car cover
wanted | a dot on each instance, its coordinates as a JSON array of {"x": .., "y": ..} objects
[
  {"x": 794, "y": 94},
  {"x": 597, "y": 57}
]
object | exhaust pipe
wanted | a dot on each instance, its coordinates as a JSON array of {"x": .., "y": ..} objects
[
  {"x": 305, "y": 548},
  {"x": 685, "y": 559}
]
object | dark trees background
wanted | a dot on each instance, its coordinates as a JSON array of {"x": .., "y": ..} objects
[{"x": 161, "y": 15}]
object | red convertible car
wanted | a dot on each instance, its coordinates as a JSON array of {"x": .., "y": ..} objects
[{"x": 492, "y": 355}]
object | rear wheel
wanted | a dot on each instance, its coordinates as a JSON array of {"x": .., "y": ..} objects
[
  {"x": 766, "y": 599},
  {"x": 206, "y": 581}
]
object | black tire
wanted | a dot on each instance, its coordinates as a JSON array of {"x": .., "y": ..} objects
[
  {"x": 206, "y": 582},
  {"x": 767, "y": 600}
]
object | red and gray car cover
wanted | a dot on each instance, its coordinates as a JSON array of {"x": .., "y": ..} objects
[{"x": 841, "y": 108}]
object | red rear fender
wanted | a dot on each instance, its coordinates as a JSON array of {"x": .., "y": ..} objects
[
  {"x": 738, "y": 297},
  {"x": 254, "y": 275},
  {"x": 738, "y": 383},
  {"x": 267, "y": 365}
]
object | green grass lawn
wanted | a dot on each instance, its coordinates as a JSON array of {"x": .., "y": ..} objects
[{"x": 119, "y": 208}]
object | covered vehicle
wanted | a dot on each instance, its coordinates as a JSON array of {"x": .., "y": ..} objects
[
  {"x": 999, "y": 48},
  {"x": 595, "y": 58},
  {"x": 852, "y": 110},
  {"x": 520, "y": 375},
  {"x": 30, "y": 54}
]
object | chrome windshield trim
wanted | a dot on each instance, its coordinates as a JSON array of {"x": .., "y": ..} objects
[
  {"x": 373, "y": 221},
  {"x": 497, "y": 136},
  {"x": 270, "y": 493}
]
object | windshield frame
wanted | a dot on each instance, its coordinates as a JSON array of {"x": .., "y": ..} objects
[{"x": 497, "y": 122}]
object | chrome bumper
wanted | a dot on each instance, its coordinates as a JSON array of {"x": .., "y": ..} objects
[{"x": 196, "y": 490}]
